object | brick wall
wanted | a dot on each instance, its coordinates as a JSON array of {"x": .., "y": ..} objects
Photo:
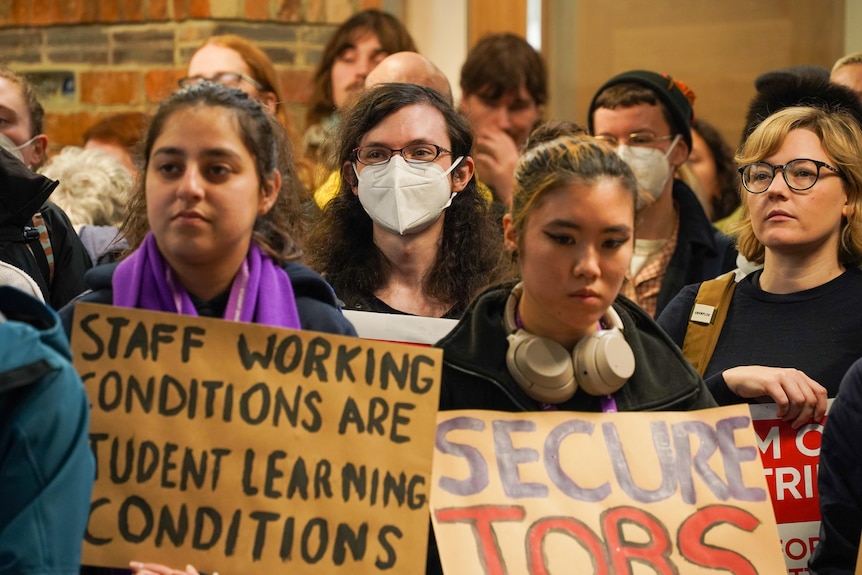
[{"x": 91, "y": 58}]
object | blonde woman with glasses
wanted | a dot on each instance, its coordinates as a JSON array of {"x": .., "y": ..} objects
[{"x": 792, "y": 329}]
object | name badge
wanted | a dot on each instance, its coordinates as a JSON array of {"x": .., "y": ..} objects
[{"x": 702, "y": 314}]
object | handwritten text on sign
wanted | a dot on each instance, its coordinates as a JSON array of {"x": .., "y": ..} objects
[
  {"x": 241, "y": 448},
  {"x": 557, "y": 492}
]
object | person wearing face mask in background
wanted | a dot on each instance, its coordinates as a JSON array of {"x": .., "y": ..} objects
[
  {"x": 408, "y": 232},
  {"x": 35, "y": 235},
  {"x": 407, "y": 67},
  {"x": 647, "y": 116},
  {"x": 410, "y": 68}
]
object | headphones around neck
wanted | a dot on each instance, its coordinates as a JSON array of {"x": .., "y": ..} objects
[{"x": 600, "y": 363}]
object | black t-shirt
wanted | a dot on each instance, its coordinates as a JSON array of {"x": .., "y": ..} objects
[{"x": 818, "y": 331}]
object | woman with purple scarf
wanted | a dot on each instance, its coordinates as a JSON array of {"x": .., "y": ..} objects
[{"x": 207, "y": 223}]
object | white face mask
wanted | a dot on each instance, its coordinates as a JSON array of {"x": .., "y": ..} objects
[
  {"x": 7, "y": 144},
  {"x": 651, "y": 168},
  {"x": 402, "y": 197}
]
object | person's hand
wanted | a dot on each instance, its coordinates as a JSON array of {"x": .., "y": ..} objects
[
  {"x": 496, "y": 155},
  {"x": 158, "y": 569},
  {"x": 799, "y": 398}
]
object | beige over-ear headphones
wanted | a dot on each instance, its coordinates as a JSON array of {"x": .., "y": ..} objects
[{"x": 599, "y": 364}]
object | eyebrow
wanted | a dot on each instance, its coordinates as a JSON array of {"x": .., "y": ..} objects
[
  {"x": 410, "y": 143},
  {"x": 568, "y": 224},
  {"x": 208, "y": 153}
]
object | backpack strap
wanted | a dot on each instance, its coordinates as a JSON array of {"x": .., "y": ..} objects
[
  {"x": 46, "y": 256},
  {"x": 706, "y": 319}
]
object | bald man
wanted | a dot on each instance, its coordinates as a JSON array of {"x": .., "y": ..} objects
[{"x": 410, "y": 68}]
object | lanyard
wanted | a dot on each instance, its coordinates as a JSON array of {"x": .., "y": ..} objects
[{"x": 235, "y": 302}]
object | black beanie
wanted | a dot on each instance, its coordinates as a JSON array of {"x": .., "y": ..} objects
[{"x": 666, "y": 90}]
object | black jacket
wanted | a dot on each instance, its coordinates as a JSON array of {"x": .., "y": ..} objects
[
  {"x": 315, "y": 300},
  {"x": 475, "y": 375},
  {"x": 839, "y": 481},
  {"x": 22, "y": 194},
  {"x": 702, "y": 252}
]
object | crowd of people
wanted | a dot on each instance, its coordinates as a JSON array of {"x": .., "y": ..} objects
[{"x": 575, "y": 259}]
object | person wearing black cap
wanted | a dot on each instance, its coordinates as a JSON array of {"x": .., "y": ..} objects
[{"x": 647, "y": 116}]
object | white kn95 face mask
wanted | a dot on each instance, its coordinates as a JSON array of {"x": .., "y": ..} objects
[{"x": 405, "y": 197}]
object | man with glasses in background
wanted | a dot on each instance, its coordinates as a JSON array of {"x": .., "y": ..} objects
[{"x": 647, "y": 117}]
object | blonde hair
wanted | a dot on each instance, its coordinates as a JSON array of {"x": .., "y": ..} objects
[
  {"x": 94, "y": 187},
  {"x": 854, "y": 58},
  {"x": 841, "y": 139}
]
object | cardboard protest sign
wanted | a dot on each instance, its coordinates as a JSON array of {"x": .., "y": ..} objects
[
  {"x": 242, "y": 448},
  {"x": 623, "y": 493},
  {"x": 790, "y": 461}
]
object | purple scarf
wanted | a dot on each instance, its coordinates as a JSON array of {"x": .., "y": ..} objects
[{"x": 145, "y": 280}]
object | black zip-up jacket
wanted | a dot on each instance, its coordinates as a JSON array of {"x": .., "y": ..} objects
[
  {"x": 22, "y": 194},
  {"x": 475, "y": 375},
  {"x": 702, "y": 251}
]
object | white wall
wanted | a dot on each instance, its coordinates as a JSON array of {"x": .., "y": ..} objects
[
  {"x": 852, "y": 26},
  {"x": 440, "y": 31}
]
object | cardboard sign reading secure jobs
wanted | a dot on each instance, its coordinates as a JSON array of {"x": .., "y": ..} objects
[
  {"x": 242, "y": 448},
  {"x": 620, "y": 493}
]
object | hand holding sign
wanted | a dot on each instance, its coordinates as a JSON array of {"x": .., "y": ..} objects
[{"x": 158, "y": 569}]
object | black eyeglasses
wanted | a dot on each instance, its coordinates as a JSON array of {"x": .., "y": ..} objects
[
  {"x": 231, "y": 79},
  {"x": 637, "y": 139},
  {"x": 413, "y": 154},
  {"x": 800, "y": 175}
]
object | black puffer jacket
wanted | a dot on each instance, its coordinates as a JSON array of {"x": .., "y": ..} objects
[{"x": 475, "y": 375}]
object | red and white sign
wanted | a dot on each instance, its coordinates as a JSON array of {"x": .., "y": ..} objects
[{"x": 790, "y": 460}]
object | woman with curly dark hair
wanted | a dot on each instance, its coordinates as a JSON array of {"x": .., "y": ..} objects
[{"x": 408, "y": 231}]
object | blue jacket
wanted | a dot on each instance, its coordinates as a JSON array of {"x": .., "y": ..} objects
[
  {"x": 46, "y": 466},
  {"x": 315, "y": 301}
]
